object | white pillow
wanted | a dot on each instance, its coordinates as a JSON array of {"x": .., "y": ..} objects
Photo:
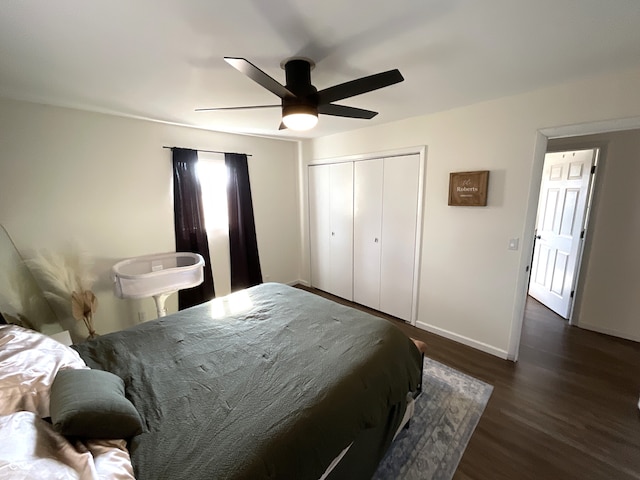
[{"x": 29, "y": 361}]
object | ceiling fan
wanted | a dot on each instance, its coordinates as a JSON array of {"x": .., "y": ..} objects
[{"x": 301, "y": 102}]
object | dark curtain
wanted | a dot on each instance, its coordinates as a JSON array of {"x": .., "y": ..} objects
[
  {"x": 243, "y": 244},
  {"x": 191, "y": 235}
]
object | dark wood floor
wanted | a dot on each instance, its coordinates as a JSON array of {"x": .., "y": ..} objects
[{"x": 568, "y": 409}]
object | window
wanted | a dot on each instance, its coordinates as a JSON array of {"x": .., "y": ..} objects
[{"x": 213, "y": 176}]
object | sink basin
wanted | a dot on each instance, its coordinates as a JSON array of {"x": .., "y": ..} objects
[{"x": 157, "y": 276}]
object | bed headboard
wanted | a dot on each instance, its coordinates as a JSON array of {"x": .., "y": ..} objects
[{"x": 21, "y": 299}]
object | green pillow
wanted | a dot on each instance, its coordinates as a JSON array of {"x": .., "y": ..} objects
[{"x": 91, "y": 404}]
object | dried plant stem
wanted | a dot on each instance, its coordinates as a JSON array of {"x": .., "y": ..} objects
[{"x": 88, "y": 321}]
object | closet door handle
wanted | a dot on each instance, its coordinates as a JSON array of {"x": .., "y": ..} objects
[
  {"x": 333, "y": 234},
  {"x": 375, "y": 240}
]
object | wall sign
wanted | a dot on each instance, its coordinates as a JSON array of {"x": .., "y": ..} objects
[{"x": 468, "y": 188}]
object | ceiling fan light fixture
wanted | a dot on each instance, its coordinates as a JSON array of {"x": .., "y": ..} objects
[
  {"x": 301, "y": 101},
  {"x": 300, "y": 117}
]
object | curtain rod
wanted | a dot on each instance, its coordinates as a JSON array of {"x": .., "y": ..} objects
[{"x": 210, "y": 151}]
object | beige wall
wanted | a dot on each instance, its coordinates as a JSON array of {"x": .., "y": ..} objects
[
  {"x": 472, "y": 288},
  {"x": 106, "y": 183},
  {"x": 608, "y": 290}
]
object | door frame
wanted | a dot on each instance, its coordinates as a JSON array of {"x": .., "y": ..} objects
[
  {"x": 420, "y": 150},
  {"x": 540, "y": 149}
]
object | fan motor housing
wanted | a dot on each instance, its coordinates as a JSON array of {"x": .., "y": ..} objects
[
  {"x": 291, "y": 106},
  {"x": 298, "y": 76}
]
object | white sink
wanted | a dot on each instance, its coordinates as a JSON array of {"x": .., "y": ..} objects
[{"x": 157, "y": 276}]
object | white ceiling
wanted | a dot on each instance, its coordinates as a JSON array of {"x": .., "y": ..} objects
[{"x": 161, "y": 59}]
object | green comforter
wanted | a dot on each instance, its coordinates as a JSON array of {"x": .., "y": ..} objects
[{"x": 268, "y": 383}]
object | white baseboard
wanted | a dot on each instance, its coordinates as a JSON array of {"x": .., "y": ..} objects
[
  {"x": 484, "y": 347},
  {"x": 465, "y": 340},
  {"x": 607, "y": 331}
]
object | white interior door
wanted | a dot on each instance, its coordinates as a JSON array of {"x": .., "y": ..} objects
[
  {"x": 367, "y": 232},
  {"x": 399, "y": 223},
  {"x": 341, "y": 217},
  {"x": 319, "y": 225},
  {"x": 561, "y": 217}
]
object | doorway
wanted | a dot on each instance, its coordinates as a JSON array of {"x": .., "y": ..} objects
[
  {"x": 561, "y": 223},
  {"x": 608, "y": 279}
]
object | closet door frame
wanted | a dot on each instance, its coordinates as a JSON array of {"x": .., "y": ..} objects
[{"x": 422, "y": 151}]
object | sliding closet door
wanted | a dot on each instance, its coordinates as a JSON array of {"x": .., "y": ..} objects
[
  {"x": 367, "y": 231},
  {"x": 341, "y": 206},
  {"x": 399, "y": 223}
]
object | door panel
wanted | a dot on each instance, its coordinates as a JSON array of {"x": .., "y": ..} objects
[
  {"x": 341, "y": 216},
  {"x": 399, "y": 220},
  {"x": 561, "y": 214},
  {"x": 540, "y": 267},
  {"x": 367, "y": 231},
  {"x": 568, "y": 220},
  {"x": 331, "y": 228},
  {"x": 319, "y": 226},
  {"x": 550, "y": 208},
  {"x": 559, "y": 272}
]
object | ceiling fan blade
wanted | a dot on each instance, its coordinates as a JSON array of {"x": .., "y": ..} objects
[
  {"x": 342, "y": 111},
  {"x": 236, "y": 108},
  {"x": 359, "y": 86},
  {"x": 258, "y": 76}
]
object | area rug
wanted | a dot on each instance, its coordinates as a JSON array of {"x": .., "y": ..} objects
[{"x": 445, "y": 417}]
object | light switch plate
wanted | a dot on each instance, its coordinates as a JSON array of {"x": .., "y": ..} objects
[{"x": 514, "y": 243}]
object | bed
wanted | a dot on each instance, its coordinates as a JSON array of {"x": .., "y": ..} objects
[{"x": 271, "y": 382}]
